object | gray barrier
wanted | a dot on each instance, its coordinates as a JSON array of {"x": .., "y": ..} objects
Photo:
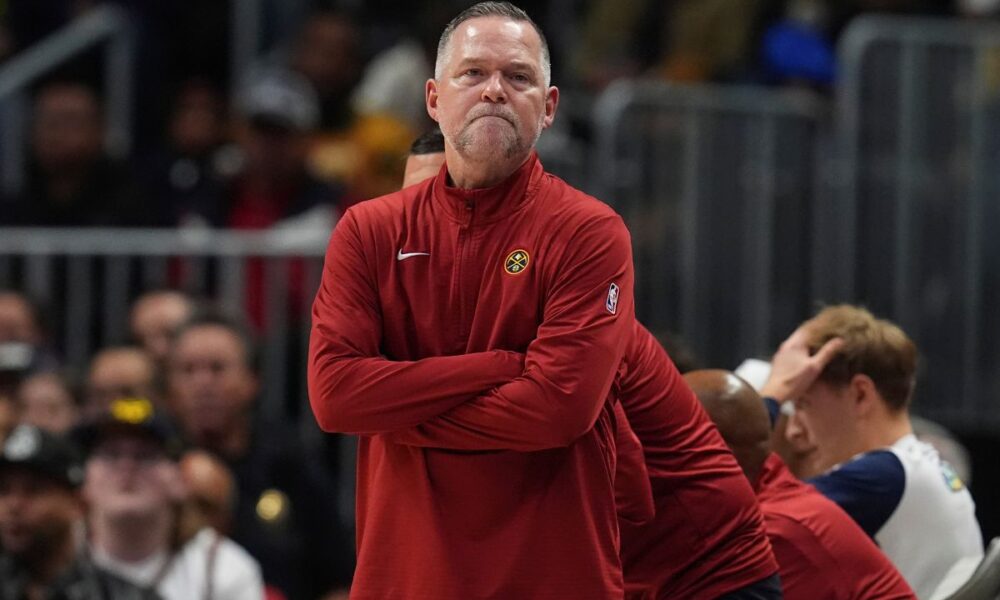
[
  {"x": 716, "y": 185},
  {"x": 910, "y": 228}
]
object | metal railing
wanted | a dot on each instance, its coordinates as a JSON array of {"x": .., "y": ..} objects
[
  {"x": 716, "y": 185},
  {"x": 918, "y": 124},
  {"x": 89, "y": 279},
  {"x": 106, "y": 23}
]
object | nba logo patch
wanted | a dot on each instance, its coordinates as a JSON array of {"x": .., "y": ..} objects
[{"x": 612, "y": 303}]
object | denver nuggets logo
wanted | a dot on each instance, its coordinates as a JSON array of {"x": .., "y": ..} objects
[
  {"x": 517, "y": 261},
  {"x": 951, "y": 478}
]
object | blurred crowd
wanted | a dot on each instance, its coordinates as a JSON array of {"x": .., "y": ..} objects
[
  {"x": 176, "y": 461},
  {"x": 324, "y": 120}
]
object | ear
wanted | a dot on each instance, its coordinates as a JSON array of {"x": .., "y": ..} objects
[
  {"x": 863, "y": 394},
  {"x": 431, "y": 98},
  {"x": 551, "y": 104}
]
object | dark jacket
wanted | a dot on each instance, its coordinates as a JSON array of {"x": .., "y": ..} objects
[{"x": 81, "y": 581}]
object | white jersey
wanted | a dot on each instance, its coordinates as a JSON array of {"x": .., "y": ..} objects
[
  {"x": 235, "y": 575},
  {"x": 914, "y": 506}
]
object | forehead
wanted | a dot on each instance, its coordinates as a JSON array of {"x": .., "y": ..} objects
[
  {"x": 495, "y": 38},
  {"x": 209, "y": 340}
]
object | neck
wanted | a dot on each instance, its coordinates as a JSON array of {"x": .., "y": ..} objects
[
  {"x": 469, "y": 174},
  {"x": 132, "y": 538},
  {"x": 886, "y": 429}
]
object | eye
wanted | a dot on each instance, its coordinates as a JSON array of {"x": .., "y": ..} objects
[
  {"x": 521, "y": 78},
  {"x": 474, "y": 72}
]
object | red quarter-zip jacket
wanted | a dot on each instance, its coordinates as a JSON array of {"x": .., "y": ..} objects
[
  {"x": 707, "y": 537},
  {"x": 479, "y": 476}
]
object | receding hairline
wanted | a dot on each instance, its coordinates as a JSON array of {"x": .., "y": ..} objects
[{"x": 445, "y": 45}]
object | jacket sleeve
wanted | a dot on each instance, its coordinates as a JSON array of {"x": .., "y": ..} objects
[
  {"x": 569, "y": 366},
  {"x": 352, "y": 388},
  {"x": 633, "y": 492}
]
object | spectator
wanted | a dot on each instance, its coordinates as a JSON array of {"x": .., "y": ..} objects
[
  {"x": 279, "y": 111},
  {"x": 328, "y": 54},
  {"x": 41, "y": 517},
  {"x": 821, "y": 552},
  {"x": 154, "y": 319},
  {"x": 48, "y": 401},
  {"x": 119, "y": 372},
  {"x": 134, "y": 490},
  {"x": 189, "y": 175},
  {"x": 284, "y": 499},
  {"x": 850, "y": 378},
  {"x": 22, "y": 340},
  {"x": 71, "y": 181}
]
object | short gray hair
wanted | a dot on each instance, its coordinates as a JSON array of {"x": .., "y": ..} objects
[{"x": 491, "y": 9}]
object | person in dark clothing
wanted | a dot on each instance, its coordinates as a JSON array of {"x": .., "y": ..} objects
[
  {"x": 71, "y": 182},
  {"x": 41, "y": 515},
  {"x": 284, "y": 498}
]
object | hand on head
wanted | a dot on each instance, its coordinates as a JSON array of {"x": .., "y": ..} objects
[{"x": 794, "y": 369}]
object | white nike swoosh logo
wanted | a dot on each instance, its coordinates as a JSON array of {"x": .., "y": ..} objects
[{"x": 403, "y": 256}]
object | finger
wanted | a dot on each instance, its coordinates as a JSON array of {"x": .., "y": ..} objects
[{"x": 827, "y": 352}]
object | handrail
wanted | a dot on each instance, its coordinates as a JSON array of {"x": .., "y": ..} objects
[
  {"x": 104, "y": 23},
  {"x": 277, "y": 242}
]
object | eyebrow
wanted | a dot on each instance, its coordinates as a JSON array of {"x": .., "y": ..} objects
[{"x": 514, "y": 65}]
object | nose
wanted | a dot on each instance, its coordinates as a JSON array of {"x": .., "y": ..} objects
[
  {"x": 493, "y": 90},
  {"x": 796, "y": 433}
]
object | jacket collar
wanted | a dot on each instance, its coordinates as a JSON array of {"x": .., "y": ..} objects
[{"x": 486, "y": 205}]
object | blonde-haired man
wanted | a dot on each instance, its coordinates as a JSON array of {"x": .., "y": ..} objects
[{"x": 850, "y": 378}]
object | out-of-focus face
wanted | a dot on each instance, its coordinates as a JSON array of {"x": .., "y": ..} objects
[
  {"x": 196, "y": 124},
  {"x": 274, "y": 153},
  {"x": 823, "y": 423},
  {"x": 119, "y": 373},
  {"x": 155, "y": 318},
  {"x": 327, "y": 54},
  {"x": 67, "y": 128},
  {"x": 46, "y": 403},
  {"x": 130, "y": 476},
  {"x": 16, "y": 321},
  {"x": 491, "y": 100},
  {"x": 422, "y": 166},
  {"x": 36, "y": 513},
  {"x": 211, "y": 384}
]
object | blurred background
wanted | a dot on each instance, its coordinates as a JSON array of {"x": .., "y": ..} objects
[{"x": 769, "y": 156}]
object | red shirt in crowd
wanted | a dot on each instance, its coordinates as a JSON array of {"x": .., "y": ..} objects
[
  {"x": 471, "y": 337},
  {"x": 822, "y": 553},
  {"x": 707, "y": 537}
]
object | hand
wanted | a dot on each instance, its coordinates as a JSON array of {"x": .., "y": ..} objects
[{"x": 793, "y": 369}]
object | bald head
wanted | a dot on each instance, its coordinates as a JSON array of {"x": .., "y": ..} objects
[{"x": 738, "y": 412}]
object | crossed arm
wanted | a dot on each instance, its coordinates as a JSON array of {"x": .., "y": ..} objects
[{"x": 477, "y": 401}]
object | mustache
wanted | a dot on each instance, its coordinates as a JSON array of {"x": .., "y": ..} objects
[{"x": 490, "y": 110}]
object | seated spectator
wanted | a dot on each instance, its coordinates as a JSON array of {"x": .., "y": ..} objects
[
  {"x": 133, "y": 488},
  {"x": 154, "y": 318},
  {"x": 119, "y": 372},
  {"x": 278, "y": 110},
  {"x": 285, "y": 501},
  {"x": 71, "y": 181},
  {"x": 189, "y": 175},
  {"x": 850, "y": 378},
  {"x": 822, "y": 554},
  {"x": 41, "y": 515},
  {"x": 22, "y": 340},
  {"x": 48, "y": 401},
  {"x": 328, "y": 53}
]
